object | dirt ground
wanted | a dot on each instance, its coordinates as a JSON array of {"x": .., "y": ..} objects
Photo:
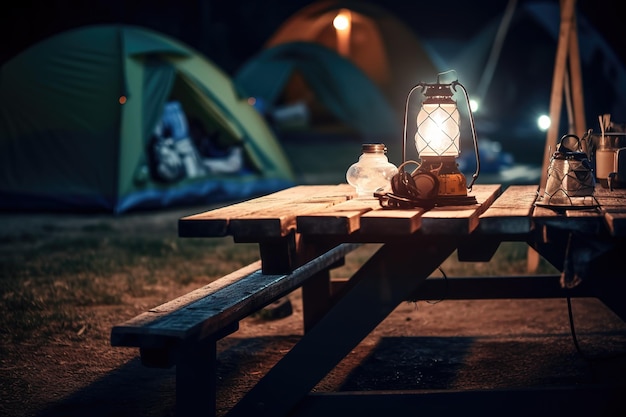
[{"x": 480, "y": 344}]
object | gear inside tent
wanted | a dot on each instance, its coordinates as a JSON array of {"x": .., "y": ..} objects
[{"x": 81, "y": 111}]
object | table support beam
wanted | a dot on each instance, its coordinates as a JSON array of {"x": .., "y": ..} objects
[
  {"x": 383, "y": 282},
  {"x": 498, "y": 287}
]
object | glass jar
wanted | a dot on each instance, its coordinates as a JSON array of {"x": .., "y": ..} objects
[{"x": 373, "y": 170}]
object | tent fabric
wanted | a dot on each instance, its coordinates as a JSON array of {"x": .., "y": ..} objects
[
  {"x": 68, "y": 143},
  {"x": 380, "y": 44},
  {"x": 336, "y": 83}
]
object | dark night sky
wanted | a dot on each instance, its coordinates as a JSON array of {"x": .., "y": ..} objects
[{"x": 229, "y": 31}]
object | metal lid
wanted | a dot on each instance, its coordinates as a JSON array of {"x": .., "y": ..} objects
[{"x": 373, "y": 147}]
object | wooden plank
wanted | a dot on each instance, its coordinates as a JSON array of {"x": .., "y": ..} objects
[
  {"x": 463, "y": 219},
  {"x": 280, "y": 220},
  {"x": 202, "y": 292},
  {"x": 460, "y": 220},
  {"x": 610, "y": 199},
  {"x": 391, "y": 221},
  {"x": 340, "y": 219},
  {"x": 135, "y": 325},
  {"x": 613, "y": 205},
  {"x": 231, "y": 301},
  {"x": 217, "y": 222},
  {"x": 498, "y": 287},
  {"x": 590, "y": 221},
  {"x": 214, "y": 223},
  {"x": 614, "y": 202},
  {"x": 510, "y": 213}
]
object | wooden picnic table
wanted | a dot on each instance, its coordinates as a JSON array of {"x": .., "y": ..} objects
[{"x": 301, "y": 223}]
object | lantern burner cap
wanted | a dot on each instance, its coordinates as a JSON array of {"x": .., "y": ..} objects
[{"x": 438, "y": 90}]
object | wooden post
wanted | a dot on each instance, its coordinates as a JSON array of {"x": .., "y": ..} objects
[
  {"x": 558, "y": 79},
  {"x": 566, "y": 80},
  {"x": 576, "y": 81}
]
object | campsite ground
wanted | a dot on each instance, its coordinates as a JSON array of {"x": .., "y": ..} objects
[
  {"x": 449, "y": 344},
  {"x": 71, "y": 369}
]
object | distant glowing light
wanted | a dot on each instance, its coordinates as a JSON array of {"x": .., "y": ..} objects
[
  {"x": 251, "y": 101},
  {"x": 474, "y": 105},
  {"x": 341, "y": 21},
  {"x": 543, "y": 122},
  {"x": 122, "y": 100}
]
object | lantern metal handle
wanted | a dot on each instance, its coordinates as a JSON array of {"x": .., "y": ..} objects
[{"x": 473, "y": 127}]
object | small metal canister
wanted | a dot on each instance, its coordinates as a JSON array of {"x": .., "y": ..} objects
[{"x": 569, "y": 173}]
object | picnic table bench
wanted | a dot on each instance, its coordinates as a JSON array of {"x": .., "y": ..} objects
[
  {"x": 304, "y": 231},
  {"x": 184, "y": 332}
]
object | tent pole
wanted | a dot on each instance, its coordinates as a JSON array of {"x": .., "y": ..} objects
[{"x": 496, "y": 48}]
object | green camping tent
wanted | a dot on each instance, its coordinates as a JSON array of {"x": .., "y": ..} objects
[
  {"x": 77, "y": 111},
  {"x": 336, "y": 83}
]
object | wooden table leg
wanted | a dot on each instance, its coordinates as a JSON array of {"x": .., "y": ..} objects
[
  {"x": 384, "y": 281},
  {"x": 196, "y": 383},
  {"x": 315, "y": 298}
]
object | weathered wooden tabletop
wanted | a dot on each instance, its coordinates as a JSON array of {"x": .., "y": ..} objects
[
  {"x": 332, "y": 210},
  {"x": 335, "y": 210}
]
